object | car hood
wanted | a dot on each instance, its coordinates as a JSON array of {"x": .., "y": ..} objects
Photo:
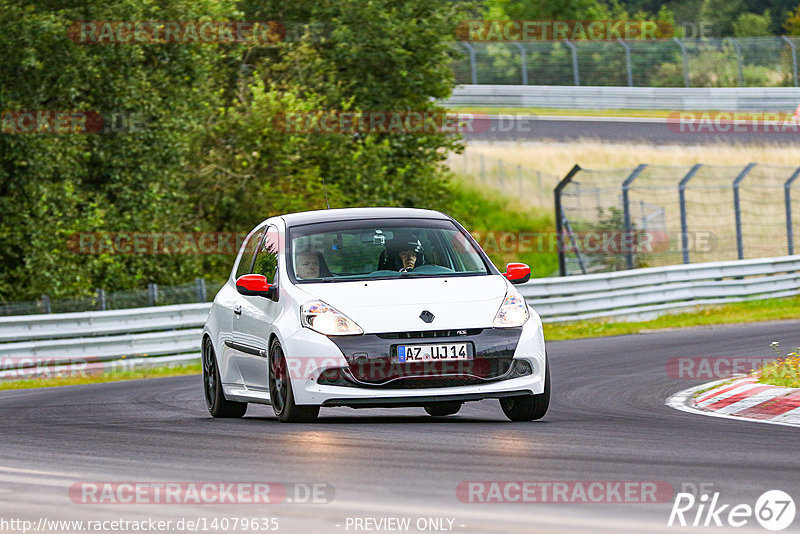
[{"x": 395, "y": 305}]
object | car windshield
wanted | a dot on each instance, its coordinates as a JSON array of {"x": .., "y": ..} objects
[{"x": 380, "y": 249}]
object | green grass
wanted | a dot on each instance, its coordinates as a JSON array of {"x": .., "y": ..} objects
[
  {"x": 482, "y": 211},
  {"x": 111, "y": 376},
  {"x": 741, "y": 312},
  {"x": 653, "y": 113},
  {"x": 785, "y": 371}
]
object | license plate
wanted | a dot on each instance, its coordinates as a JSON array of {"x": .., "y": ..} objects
[{"x": 429, "y": 353}]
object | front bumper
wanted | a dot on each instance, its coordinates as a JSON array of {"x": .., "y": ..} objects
[{"x": 492, "y": 377}]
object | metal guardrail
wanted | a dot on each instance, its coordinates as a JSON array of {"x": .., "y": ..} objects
[
  {"x": 86, "y": 324},
  {"x": 783, "y": 99},
  {"x": 174, "y": 334},
  {"x": 687, "y": 62},
  {"x": 97, "y": 341},
  {"x": 646, "y": 293}
]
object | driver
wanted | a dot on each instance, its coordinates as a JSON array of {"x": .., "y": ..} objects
[{"x": 408, "y": 252}]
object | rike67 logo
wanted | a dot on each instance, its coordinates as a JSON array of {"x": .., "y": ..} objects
[{"x": 774, "y": 510}]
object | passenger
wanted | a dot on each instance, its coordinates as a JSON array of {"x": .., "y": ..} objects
[{"x": 307, "y": 265}]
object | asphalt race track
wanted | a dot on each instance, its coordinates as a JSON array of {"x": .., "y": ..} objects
[
  {"x": 623, "y": 130},
  {"x": 607, "y": 422}
]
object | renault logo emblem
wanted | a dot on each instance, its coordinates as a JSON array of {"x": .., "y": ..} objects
[{"x": 426, "y": 316}]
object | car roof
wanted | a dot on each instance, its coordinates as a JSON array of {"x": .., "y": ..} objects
[{"x": 354, "y": 214}]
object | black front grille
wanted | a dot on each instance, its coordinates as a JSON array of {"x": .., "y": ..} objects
[
  {"x": 424, "y": 334},
  {"x": 372, "y": 358},
  {"x": 434, "y": 376}
]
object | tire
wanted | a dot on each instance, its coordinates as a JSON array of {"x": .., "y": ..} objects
[
  {"x": 280, "y": 391},
  {"x": 441, "y": 409},
  {"x": 528, "y": 407},
  {"x": 218, "y": 405}
]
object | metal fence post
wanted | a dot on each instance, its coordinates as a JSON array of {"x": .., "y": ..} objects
[
  {"x": 685, "y": 61},
  {"x": 682, "y": 200},
  {"x": 627, "y": 61},
  {"x": 787, "y": 193},
  {"x": 562, "y": 263},
  {"x": 737, "y": 209},
  {"x": 483, "y": 170},
  {"x": 472, "y": 63},
  {"x": 626, "y": 209},
  {"x": 738, "y": 60},
  {"x": 46, "y": 304},
  {"x": 794, "y": 59},
  {"x": 101, "y": 298},
  {"x": 152, "y": 293},
  {"x": 200, "y": 285},
  {"x": 523, "y": 58},
  {"x": 575, "y": 75}
]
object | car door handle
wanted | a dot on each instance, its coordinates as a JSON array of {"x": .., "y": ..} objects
[{"x": 237, "y": 310}]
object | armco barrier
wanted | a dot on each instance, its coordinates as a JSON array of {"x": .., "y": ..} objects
[
  {"x": 85, "y": 324},
  {"x": 597, "y": 97},
  {"x": 171, "y": 334},
  {"x": 141, "y": 337},
  {"x": 647, "y": 293}
]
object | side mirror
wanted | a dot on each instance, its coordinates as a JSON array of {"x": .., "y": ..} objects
[
  {"x": 517, "y": 273},
  {"x": 255, "y": 285}
]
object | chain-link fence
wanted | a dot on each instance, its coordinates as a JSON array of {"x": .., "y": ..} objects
[
  {"x": 530, "y": 187},
  {"x": 154, "y": 295},
  {"x": 662, "y": 215},
  {"x": 730, "y": 62}
]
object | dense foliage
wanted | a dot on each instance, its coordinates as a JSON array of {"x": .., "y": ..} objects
[{"x": 206, "y": 156}]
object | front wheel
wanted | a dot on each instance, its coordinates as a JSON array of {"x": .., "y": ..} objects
[
  {"x": 218, "y": 405},
  {"x": 280, "y": 391},
  {"x": 529, "y": 407}
]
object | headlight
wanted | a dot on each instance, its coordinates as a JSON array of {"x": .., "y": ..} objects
[
  {"x": 327, "y": 320},
  {"x": 513, "y": 311}
]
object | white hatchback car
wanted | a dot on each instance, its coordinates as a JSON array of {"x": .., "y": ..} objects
[{"x": 371, "y": 307}]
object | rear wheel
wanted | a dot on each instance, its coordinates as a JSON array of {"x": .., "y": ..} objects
[
  {"x": 216, "y": 402},
  {"x": 441, "y": 409},
  {"x": 280, "y": 391},
  {"x": 528, "y": 407}
]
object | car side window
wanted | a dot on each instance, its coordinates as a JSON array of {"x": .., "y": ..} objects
[
  {"x": 267, "y": 257},
  {"x": 249, "y": 251}
]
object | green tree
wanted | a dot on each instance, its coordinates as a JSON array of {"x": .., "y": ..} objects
[
  {"x": 721, "y": 14},
  {"x": 362, "y": 56},
  {"x": 54, "y": 185},
  {"x": 752, "y": 25}
]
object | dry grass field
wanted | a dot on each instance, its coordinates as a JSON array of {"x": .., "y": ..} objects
[{"x": 526, "y": 173}]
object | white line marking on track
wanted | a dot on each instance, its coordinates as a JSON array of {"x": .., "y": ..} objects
[{"x": 753, "y": 400}]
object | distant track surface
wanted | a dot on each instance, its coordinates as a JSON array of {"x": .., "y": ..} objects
[
  {"x": 619, "y": 130},
  {"x": 607, "y": 421}
]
